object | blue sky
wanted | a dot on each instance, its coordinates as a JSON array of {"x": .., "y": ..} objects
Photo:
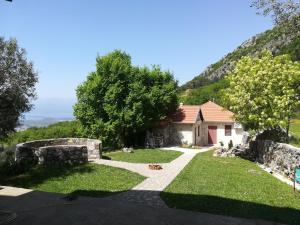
[{"x": 63, "y": 38}]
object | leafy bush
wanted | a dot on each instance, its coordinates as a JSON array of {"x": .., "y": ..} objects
[
  {"x": 230, "y": 144},
  {"x": 6, "y": 157},
  {"x": 58, "y": 130},
  {"x": 275, "y": 134},
  {"x": 8, "y": 165}
]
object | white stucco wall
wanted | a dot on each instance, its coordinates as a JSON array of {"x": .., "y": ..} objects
[
  {"x": 184, "y": 133},
  {"x": 236, "y": 134}
]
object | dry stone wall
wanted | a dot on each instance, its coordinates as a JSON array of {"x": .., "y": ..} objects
[
  {"x": 59, "y": 151},
  {"x": 279, "y": 157},
  {"x": 282, "y": 158}
]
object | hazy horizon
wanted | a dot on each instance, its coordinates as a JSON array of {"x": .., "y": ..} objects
[{"x": 57, "y": 108}]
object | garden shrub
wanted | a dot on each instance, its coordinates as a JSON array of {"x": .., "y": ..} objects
[
  {"x": 8, "y": 165},
  {"x": 230, "y": 144}
]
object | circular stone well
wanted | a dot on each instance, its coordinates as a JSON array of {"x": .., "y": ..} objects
[{"x": 59, "y": 151}]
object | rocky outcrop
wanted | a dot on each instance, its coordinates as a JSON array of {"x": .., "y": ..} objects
[
  {"x": 283, "y": 39},
  {"x": 59, "y": 151}
]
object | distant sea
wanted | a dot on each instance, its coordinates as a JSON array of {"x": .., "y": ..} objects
[{"x": 47, "y": 111}]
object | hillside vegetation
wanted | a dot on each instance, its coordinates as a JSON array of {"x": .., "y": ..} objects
[
  {"x": 57, "y": 130},
  {"x": 205, "y": 93},
  {"x": 283, "y": 39}
]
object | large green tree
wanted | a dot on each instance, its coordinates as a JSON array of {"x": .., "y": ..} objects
[
  {"x": 119, "y": 102},
  {"x": 264, "y": 91},
  {"x": 17, "y": 85}
]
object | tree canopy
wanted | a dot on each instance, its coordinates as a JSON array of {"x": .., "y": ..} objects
[
  {"x": 281, "y": 11},
  {"x": 17, "y": 85},
  {"x": 264, "y": 91},
  {"x": 118, "y": 102}
]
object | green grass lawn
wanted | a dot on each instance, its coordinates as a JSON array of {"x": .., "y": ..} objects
[
  {"x": 88, "y": 179},
  {"x": 233, "y": 187},
  {"x": 295, "y": 131},
  {"x": 144, "y": 156}
]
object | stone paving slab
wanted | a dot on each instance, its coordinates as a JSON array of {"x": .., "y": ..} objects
[
  {"x": 140, "y": 168},
  {"x": 7, "y": 216},
  {"x": 12, "y": 191},
  {"x": 147, "y": 192},
  {"x": 170, "y": 171},
  {"x": 36, "y": 208},
  {"x": 188, "y": 150},
  {"x": 149, "y": 198}
]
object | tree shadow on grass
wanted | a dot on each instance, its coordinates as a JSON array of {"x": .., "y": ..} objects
[
  {"x": 39, "y": 174},
  {"x": 232, "y": 207}
]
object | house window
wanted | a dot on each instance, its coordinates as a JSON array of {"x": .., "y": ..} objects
[
  {"x": 198, "y": 131},
  {"x": 227, "y": 130}
]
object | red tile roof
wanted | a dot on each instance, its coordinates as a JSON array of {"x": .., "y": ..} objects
[
  {"x": 212, "y": 112},
  {"x": 186, "y": 114}
]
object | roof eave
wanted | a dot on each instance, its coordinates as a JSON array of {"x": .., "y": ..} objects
[
  {"x": 183, "y": 122},
  {"x": 220, "y": 121}
]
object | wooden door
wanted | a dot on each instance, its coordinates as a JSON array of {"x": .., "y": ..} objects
[{"x": 212, "y": 135}]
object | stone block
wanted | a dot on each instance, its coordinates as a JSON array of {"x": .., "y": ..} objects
[{"x": 59, "y": 151}]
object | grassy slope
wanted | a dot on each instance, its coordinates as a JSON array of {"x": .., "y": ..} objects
[
  {"x": 295, "y": 131},
  {"x": 89, "y": 179},
  {"x": 233, "y": 187},
  {"x": 144, "y": 156}
]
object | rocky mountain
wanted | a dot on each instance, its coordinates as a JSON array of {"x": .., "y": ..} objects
[{"x": 283, "y": 39}]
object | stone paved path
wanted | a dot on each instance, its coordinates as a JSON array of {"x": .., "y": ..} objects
[
  {"x": 36, "y": 208},
  {"x": 148, "y": 191}
]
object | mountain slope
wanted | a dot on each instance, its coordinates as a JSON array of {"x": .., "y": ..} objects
[{"x": 284, "y": 39}]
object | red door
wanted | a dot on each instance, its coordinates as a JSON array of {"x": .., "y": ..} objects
[{"x": 212, "y": 135}]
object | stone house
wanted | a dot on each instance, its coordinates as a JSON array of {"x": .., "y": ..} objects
[{"x": 206, "y": 124}]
